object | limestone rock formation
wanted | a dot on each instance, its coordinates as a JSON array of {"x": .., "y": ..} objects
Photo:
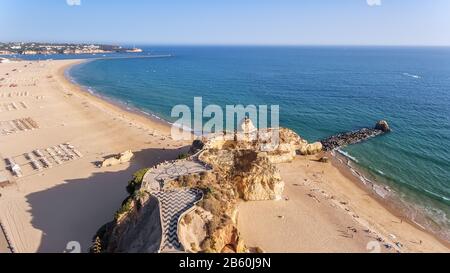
[
  {"x": 251, "y": 172},
  {"x": 311, "y": 149},
  {"x": 280, "y": 145},
  {"x": 193, "y": 229},
  {"x": 382, "y": 125},
  {"x": 118, "y": 159},
  {"x": 256, "y": 178},
  {"x": 136, "y": 229},
  {"x": 239, "y": 168}
]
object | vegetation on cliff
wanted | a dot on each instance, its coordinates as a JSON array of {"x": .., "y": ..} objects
[{"x": 240, "y": 170}]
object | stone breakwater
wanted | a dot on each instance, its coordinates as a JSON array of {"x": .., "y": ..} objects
[{"x": 345, "y": 139}]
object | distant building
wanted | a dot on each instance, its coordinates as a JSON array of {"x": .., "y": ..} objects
[{"x": 134, "y": 50}]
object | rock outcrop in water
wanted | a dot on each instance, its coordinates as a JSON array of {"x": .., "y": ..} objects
[
  {"x": 344, "y": 139},
  {"x": 382, "y": 125}
]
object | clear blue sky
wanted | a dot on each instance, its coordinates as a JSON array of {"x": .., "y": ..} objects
[{"x": 265, "y": 22}]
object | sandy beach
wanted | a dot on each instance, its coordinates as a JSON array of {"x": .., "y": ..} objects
[
  {"x": 324, "y": 210},
  {"x": 3, "y": 244},
  {"x": 44, "y": 211}
]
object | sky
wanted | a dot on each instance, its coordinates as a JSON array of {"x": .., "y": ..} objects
[{"x": 228, "y": 22}]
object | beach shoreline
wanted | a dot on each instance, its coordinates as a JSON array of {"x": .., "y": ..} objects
[
  {"x": 44, "y": 210},
  {"x": 99, "y": 127},
  {"x": 122, "y": 109},
  {"x": 388, "y": 204},
  {"x": 337, "y": 160},
  {"x": 338, "y": 164}
]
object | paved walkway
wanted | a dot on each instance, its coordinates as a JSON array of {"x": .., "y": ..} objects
[
  {"x": 154, "y": 179},
  {"x": 173, "y": 204}
]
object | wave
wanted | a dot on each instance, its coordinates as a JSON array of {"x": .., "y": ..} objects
[
  {"x": 412, "y": 75},
  {"x": 437, "y": 195},
  {"x": 347, "y": 155},
  {"x": 126, "y": 105}
]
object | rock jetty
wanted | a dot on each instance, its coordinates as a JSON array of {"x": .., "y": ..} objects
[{"x": 345, "y": 139}]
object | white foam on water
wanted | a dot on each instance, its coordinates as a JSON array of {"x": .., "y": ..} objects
[
  {"x": 347, "y": 155},
  {"x": 182, "y": 127},
  {"x": 411, "y": 75},
  {"x": 437, "y": 195}
]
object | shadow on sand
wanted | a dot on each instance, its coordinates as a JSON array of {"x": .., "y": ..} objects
[{"x": 74, "y": 211}]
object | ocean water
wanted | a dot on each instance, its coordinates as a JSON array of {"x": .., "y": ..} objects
[{"x": 321, "y": 91}]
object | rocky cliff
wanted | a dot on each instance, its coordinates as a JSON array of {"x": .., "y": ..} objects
[{"x": 241, "y": 168}]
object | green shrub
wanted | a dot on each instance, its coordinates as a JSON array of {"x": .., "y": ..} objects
[
  {"x": 136, "y": 181},
  {"x": 183, "y": 156},
  {"x": 124, "y": 209}
]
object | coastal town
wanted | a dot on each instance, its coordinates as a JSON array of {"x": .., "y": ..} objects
[{"x": 22, "y": 48}]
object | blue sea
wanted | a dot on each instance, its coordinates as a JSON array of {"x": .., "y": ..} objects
[{"x": 321, "y": 91}]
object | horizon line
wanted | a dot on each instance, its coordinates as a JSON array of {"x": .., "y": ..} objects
[{"x": 231, "y": 44}]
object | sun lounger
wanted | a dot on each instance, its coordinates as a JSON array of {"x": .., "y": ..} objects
[
  {"x": 36, "y": 165},
  {"x": 28, "y": 156},
  {"x": 67, "y": 152},
  {"x": 38, "y": 153},
  {"x": 16, "y": 170},
  {"x": 55, "y": 158},
  {"x": 26, "y": 125},
  {"x": 18, "y": 125},
  {"x": 29, "y": 125},
  {"x": 68, "y": 145},
  {"x": 77, "y": 153},
  {"x": 12, "y": 126},
  {"x": 9, "y": 162},
  {"x": 32, "y": 123},
  {"x": 45, "y": 162},
  {"x": 50, "y": 152},
  {"x": 60, "y": 154}
]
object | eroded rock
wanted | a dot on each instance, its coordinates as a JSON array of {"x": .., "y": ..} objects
[
  {"x": 118, "y": 159},
  {"x": 382, "y": 125}
]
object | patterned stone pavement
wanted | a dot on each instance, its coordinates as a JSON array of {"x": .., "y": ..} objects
[
  {"x": 155, "y": 178},
  {"x": 173, "y": 204}
]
